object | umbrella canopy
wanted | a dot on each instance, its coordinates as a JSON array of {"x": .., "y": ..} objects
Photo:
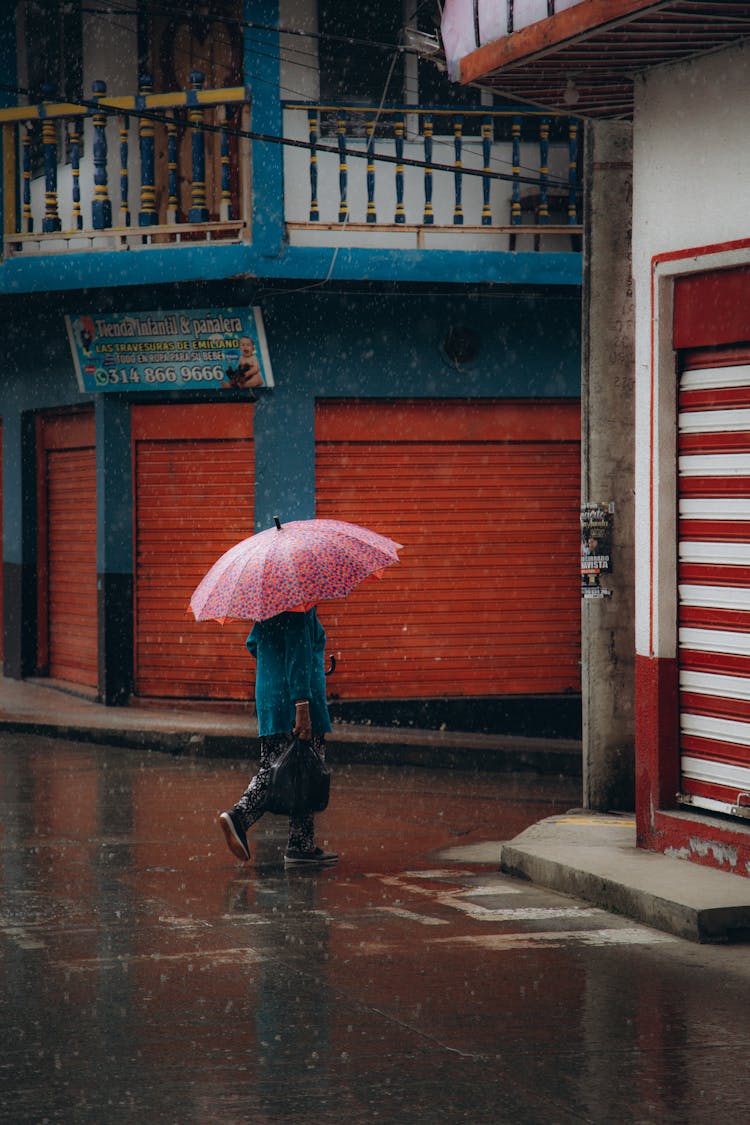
[{"x": 290, "y": 567}]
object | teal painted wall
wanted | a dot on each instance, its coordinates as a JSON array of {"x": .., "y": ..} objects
[
  {"x": 370, "y": 344},
  {"x": 376, "y": 345}
]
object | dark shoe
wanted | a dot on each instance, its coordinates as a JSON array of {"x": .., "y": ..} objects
[
  {"x": 234, "y": 834},
  {"x": 294, "y": 857}
]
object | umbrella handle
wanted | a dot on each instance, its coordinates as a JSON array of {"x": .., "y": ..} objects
[{"x": 331, "y": 666}]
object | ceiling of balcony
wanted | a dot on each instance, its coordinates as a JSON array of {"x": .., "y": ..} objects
[{"x": 584, "y": 59}]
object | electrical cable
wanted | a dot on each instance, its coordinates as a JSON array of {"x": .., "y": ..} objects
[
  {"x": 95, "y": 106},
  {"x": 438, "y": 143}
]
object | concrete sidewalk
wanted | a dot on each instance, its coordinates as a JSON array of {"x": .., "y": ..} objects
[
  {"x": 216, "y": 731},
  {"x": 595, "y": 858},
  {"x": 588, "y": 856}
]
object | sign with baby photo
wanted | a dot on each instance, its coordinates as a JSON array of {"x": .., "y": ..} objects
[{"x": 187, "y": 349}]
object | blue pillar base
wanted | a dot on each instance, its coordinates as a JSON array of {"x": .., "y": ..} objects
[{"x": 101, "y": 215}]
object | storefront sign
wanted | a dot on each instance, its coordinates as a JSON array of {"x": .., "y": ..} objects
[
  {"x": 596, "y": 548},
  {"x": 191, "y": 349}
]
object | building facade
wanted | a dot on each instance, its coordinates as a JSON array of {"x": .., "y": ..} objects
[
  {"x": 178, "y": 189},
  {"x": 690, "y": 256}
]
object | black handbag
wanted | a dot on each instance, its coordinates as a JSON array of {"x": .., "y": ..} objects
[{"x": 299, "y": 781}]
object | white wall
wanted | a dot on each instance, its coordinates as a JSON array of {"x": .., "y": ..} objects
[
  {"x": 111, "y": 54},
  {"x": 691, "y": 170},
  {"x": 299, "y": 54}
]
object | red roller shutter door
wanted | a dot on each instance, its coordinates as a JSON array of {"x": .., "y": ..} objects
[
  {"x": 67, "y": 571},
  {"x": 485, "y": 497},
  {"x": 714, "y": 580},
  {"x": 193, "y": 469}
]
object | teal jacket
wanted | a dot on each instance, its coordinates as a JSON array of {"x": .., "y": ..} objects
[{"x": 289, "y": 651}]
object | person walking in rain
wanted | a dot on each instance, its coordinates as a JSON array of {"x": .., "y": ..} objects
[{"x": 290, "y": 695}]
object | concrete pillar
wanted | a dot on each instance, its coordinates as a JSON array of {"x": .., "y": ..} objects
[
  {"x": 114, "y": 549},
  {"x": 19, "y": 546},
  {"x": 608, "y": 463}
]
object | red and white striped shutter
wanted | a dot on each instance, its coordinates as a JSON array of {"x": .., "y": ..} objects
[{"x": 714, "y": 581}]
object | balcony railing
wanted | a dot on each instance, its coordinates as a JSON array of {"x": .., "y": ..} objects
[
  {"x": 182, "y": 174},
  {"x": 420, "y": 177},
  {"x": 160, "y": 169}
]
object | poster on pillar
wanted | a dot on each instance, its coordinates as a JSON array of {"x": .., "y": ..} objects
[
  {"x": 185, "y": 349},
  {"x": 596, "y": 548}
]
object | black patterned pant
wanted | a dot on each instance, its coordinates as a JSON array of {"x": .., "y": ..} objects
[{"x": 252, "y": 803}]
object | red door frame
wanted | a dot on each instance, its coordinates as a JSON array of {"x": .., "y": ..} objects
[{"x": 693, "y": 303}]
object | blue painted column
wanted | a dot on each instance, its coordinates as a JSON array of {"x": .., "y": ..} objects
[
  {"x": 114, "y": 549},
  {"x": 101, "y": 207},
  {"x": 51, "y": 220},
  {"x": 198, "y": 213},
  {"x": 284, "y": 433},
  {"x": 427, "y": 128},
  {"x": 343, "y": 170},
  {"x": 543, "y": 170},
  {"x": 312, "y": 125},
  {"x": 515, "y": 207},
  {"x": 458, "y": 132},
  {"x": 313, "y": 131},
  {"x": 572, "y": 170},
  {"x": 19, "y": 546},
  {"x": 486, "y": 182},
  {"x": 148, "y": 215},
  {"x": 173, "y": 205},
  {"x": 372, "y": 215},
  {"x": 124, "y": 174},
  {"x": 75, "y": 170},
  {"x": 263, "y": 76},
  {"x": 225, "y": 207},
  {"x": 400, "y": 129},
  {"x": 28, "y": 217}
]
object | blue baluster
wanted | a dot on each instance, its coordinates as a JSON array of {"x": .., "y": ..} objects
[
  {"x": 486, "y": 152},
  {"x": 400, "y": 216},
  {"x": 427, "y": 130},
  {"x": 572, "y": 171},
  {"x": 51, "y": 220},
  {"x": 75, "y": 168},
  {"x": 543, "y": 170},
  {"x": 173, "y": 205},
  {"x": 101, "y": 208},
  {"x": 371, "y": 212},
  {"x": 458, "y": 131},
  {"x": 343, "y": 175},
  {"x": 124, "y": 177},
  {"x": 199, "y": 211},
  {"x": 28, "y": 218},
  {"x": 225, "y": 207},
  {"x": 515, "y": 204},
  {"x": 312, "y": 124},
  {"x": 147, "y": 215}
]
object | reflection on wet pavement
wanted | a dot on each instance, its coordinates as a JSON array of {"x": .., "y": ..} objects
[{"x": 147, "y": 976}]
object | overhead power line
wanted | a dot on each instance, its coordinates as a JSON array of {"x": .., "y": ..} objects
[
  {"x": 263, "y": 50},
  {"x": 95, "y": 106}
]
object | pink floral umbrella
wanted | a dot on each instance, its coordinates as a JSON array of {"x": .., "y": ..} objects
[{"x": 290, "y": 567}]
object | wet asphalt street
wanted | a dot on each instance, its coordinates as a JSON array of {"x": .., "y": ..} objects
[{"x": 147, "y": 976}]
